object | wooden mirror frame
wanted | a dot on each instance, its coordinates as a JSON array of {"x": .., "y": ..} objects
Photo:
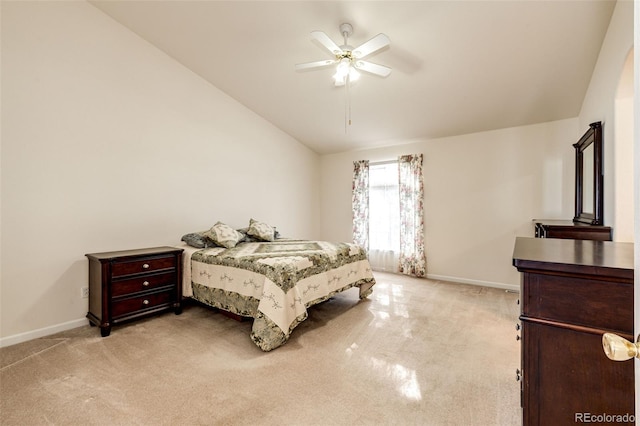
[{"x": 592, "y": 215}]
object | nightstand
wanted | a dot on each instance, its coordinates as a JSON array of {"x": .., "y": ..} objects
[{"x": 130, "y": 284}]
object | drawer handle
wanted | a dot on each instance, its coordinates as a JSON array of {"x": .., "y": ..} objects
[
  {"x": 145, "y": 302},
  {"x": 146, "y": 283},
  {"x": 617, "y": 348},
  {"x": 145, "y": 266}
]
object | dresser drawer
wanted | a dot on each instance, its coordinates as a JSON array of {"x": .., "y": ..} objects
[
  {"x": 149, "y": 264},
  {"x": 578, "y": 301},
  {"x": 141, "y": 303},
  {"x": 142, "y": 283}
]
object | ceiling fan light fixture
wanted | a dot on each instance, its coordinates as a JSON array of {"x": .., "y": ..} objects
[
  {"x": 345, "y": 69},
  {"x": 342, "y": 70}
]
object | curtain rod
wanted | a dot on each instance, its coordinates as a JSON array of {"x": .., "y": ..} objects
[{"x": 381, "y": 163}]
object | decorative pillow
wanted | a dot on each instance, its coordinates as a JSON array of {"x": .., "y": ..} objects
[
  {"x": 261, "y": 231},
  {"x": 195, "y": 239},
  {"x": 198, "y": 240},
  {"x": 224, "y": 235},
  {"x": 247, "y": 238}
]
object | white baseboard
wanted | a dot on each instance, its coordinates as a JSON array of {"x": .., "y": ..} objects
[
  {"x": 41, "y": 332},
  {"x": 510, "y": 287}
]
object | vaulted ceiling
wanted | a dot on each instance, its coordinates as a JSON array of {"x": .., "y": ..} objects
[{"x": 458, "y": 66}]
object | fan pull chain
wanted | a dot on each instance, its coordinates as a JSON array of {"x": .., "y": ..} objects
[
  {"x": 347, "y": 113},
  {"x": 347, "y": 105},
  {"x": 349, "y": 96}
]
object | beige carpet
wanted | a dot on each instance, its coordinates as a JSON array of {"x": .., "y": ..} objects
[{"x": 416, "y": 352}]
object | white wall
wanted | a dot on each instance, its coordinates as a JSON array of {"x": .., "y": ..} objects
[
  {"x": 623, "y": 156},
  {"x": 600, "y": 105},
  {"x": 481, "y": 191},
  {"x": 109, "y": 144}
]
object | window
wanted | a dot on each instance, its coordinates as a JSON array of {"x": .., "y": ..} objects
[
  {"x": 387, "y": 203},
  {"x": 384, "y": 216}
]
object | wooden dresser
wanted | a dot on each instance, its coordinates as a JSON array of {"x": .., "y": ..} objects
[
  {"x": 124, "y": 285},
  {"x": 573, "y": 291},
  {"x": 571, "y": 230}
]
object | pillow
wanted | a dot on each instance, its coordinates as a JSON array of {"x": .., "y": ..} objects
[
  {"x": 247, "y": 238},
  {"x": 198, "y": 240},
  {"x": 261, "y": 231},
  {"x": 224, "y": 235},
  {"x": 195, "y": 239}
]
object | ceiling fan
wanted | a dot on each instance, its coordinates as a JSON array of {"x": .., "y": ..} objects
[{"x": 349, "y": 59}]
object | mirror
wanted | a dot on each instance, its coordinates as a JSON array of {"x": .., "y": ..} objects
[{"x": 589, "y": 178}]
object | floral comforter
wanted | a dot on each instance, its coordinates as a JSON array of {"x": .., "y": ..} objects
[{"x": 275, "y": 282}]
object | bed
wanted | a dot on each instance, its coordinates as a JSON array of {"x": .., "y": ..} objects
[{"x": 274, "y": 282}]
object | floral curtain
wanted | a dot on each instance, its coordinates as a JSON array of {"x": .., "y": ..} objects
[
  {"x": 412, "y": 257},
  {"x": 360, "y": 203}
]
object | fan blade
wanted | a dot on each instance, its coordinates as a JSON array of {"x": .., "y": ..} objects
[
  {"x": 324, "y": 39},
  {"x": 368, "y": 47},
  {"x": 372, "y": 68},
  {"x": 315, "y": 64}
]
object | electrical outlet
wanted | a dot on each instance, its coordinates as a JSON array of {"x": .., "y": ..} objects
[{"x": 84, "y": 292}]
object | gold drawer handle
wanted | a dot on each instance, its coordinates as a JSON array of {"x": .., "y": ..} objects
[
  {"x": 145, "y": 302},
  {"x": 145, "y": 266},
  {"x": 146, "y": 283},
  {"x": 618, "y": 348}
]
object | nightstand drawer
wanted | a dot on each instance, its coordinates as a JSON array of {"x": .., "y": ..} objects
[
  {"x": 141, "y": 303},
  {"x": 142, "y": 283},
  {"x": 139, "y": 266}
]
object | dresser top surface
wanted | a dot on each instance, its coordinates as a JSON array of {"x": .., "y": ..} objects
[
  {"x": 532, "y": 252},
  {"x": 136, "y": 252},
  {"x": 566, "y": 223}
]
